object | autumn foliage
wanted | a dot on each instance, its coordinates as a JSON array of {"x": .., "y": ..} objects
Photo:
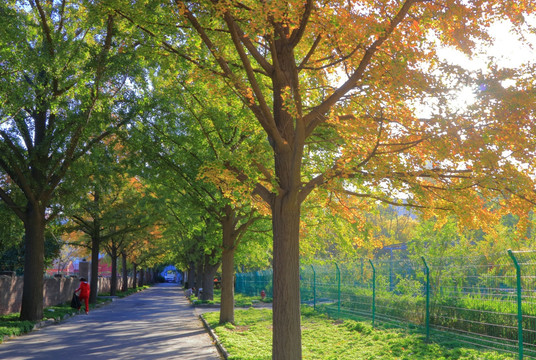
[
  {"x": 341, "y": 103},
  {"x": 339, "y": 89}
]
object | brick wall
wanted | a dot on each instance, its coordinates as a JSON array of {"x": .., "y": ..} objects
[{"x": 55, "y": 291}]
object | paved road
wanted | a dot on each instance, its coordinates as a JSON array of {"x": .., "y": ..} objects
[{"x": 157, "y": 323}]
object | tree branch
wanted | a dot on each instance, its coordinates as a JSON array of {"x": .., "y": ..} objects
[
  {"x": 297, "y": 33},
  {"x": 267, "y": 121},
  {"x": 24, "y": 131},
  {"x": 267, "y": 67},
  {"x": 46, "y": 29},
  {"x": 262, "y": 112},
  {"x": 310, "y": 52},
  {"x": 12, "y": 205},
  {"x": 394, "y": 203},
  {"x": 317, "y": 114}
]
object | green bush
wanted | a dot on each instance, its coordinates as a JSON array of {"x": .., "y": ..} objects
[{"x": 358, "y": 326}]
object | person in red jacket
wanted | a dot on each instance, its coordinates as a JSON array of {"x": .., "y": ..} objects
[{"x": 84, "y": 293}]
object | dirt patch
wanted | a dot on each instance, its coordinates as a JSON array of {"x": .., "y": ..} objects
[{"x": 241, "y": 328}]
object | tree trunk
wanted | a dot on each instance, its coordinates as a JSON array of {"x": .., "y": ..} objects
[
  {"x": 141, "y": 279},
  {"x": 285, "y": 206},
  {"x": 94, "y": 282},
  {"x": 286, "y": 283},
  {"x": 227, "y": 287},
  {"x": 191, "y": 277},
  {"x": 135, "y": 276},
  {"x": 124, "y": 285},
  {"x": 34, "y": 262},
  {"x": 209, "y": 271},
  {"x": 198, "y": 276},
  {"x": 113, "y": 280},
  {"x": 227, "y": 271},
  {"x": 95, "y": 249}
]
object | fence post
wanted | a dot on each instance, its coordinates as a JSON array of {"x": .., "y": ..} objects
[
  {"x": 427, "y": 316},
  {"x": 314, "y": 287},
  {"x": 391, "y": 282},
  {"x": 254, "y": 284},
  {"x": 373, "y": 292},
  {"x": 519, "y": 310},
  {"x": 338, "y": 291}
]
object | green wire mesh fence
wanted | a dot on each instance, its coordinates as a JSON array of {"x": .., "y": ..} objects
[
  {"x": 483, "y": 301},
  {"x": 254, "y": 282}
]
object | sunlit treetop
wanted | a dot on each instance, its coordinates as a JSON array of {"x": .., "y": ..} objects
[
  {"x": 355, "y": 75},
  {"x": 342, "y": 84}
]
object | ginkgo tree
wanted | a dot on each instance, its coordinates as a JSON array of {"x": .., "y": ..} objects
[
  {"x": 186, "y": 141},
  {"x": 144, "y": 251},
  {"x": 337, "y": 87},
  {"x": 62, "y": 75},
  {"x": 110, "y": 203},
  {"x": 505, "y": 108}
]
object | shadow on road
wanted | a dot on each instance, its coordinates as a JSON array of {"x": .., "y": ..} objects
[{"x": 157, "y": 323}]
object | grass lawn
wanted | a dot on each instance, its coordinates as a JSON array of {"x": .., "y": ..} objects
[
  {"x": 241, "y": 300},
  {"x": 328, "y": 339},
  {"x": 10, "y": 325}
]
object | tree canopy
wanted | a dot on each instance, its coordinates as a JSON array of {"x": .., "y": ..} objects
[
  {"x": 281, "y": 105},
  {"x": 336, "y": 88},
  {"x": 62, "y": 89}
]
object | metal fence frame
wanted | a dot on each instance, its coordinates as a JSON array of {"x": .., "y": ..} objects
[{"x": 486, "y": 302}]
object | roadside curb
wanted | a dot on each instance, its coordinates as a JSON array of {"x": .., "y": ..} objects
[
  {"x": 44, "y": 323},
  {"x": 213, "y": 335}
]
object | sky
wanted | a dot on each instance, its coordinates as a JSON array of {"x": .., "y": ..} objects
[{"x": 507, "y": 50}]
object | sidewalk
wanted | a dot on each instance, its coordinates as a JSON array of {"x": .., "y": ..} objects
[{"x": 157, "y": 323}]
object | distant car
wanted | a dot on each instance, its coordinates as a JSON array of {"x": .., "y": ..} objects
[{"x": 169, "y": 277}]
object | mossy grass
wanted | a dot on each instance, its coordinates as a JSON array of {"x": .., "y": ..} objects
[
  {"x": 241, "y": 300},
  {"x": 324, "y": 338},
  {"x": 11, "y": 325}
]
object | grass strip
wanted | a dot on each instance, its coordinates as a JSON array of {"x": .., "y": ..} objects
[
  {"x": 328, "y": 339},
  {"x": 240, "y": 300}
]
